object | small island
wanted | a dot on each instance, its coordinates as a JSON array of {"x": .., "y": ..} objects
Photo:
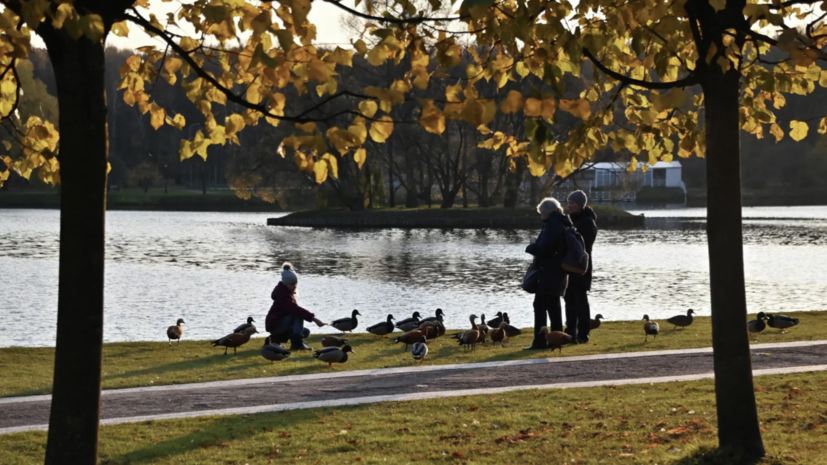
[{"x": 464, "y": 218}]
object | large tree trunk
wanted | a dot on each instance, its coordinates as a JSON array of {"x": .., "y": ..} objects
[
  {"x": 738, "y": 428},
  {"x": 75, "y": 411},
  {"x": 513, "y": 181}
]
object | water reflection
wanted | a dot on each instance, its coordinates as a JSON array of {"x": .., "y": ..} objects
[{"x": 217, "y": 268}]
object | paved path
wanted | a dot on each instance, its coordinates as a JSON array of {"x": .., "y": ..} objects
[{"x": 355, "y": 387}]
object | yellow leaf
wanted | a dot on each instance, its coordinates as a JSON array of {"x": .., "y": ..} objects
[
  {"x": 178, "y": 122},
  {"x": 332, "y": 164},
  {"x": 577, "y": 107},
  {"x": 361, "y": 47},
  {"x": 513, "y": 102},
  {"x": 92, "y": 26},
  {"x": 120, "y": 28},
  {"x": 7, "y": 144},
  {"x": 378, "y": 55},
  {"x": 157, "y": 116},
  {"x": 718, "y": 4},
  {"x": 359, "y": 157},
  {"x": 382, "y": 129},
  {"x": 66, "y": 11},
  {"x": 368, "y": 108},
  {"x": 320, "y": 169},
  {"x": 432, "y": 118},
  {"x": 307, "y": 127},
  {"x": 675, "y": 99},
  {"x": 798, "y": 130},
  {"x": 533, "y": 107},
  {"x": 822, "y": 126},
  {"x": 776, "y": 131}
]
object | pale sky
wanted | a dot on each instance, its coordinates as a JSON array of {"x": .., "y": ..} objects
[{"x": 327, "y": 19}]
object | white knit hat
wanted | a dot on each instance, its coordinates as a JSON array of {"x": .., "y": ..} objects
[{"x": 288, "y": 276}]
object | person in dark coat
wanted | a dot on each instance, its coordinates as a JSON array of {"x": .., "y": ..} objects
[
  {"x": 548, "y": 250},
  {"x": 578, "y": 311},
  {"x": 285, "y": 321}
]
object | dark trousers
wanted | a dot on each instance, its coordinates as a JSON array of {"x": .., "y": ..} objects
[
  {"x": 578, "y": 312},
  {"x": 291, "y": 328},
  {"x": 547, "y": 307}
]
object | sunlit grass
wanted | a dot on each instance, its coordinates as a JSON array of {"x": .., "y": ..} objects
[
  {"x": 28, "y": 371},
  {"x": 670, "y": 423}
]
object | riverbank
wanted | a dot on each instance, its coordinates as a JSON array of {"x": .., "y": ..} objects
[
  {"x": 672, "y": 423},
  {"x": 523, "y": 217},
  {"x": 29, "y": 371}
]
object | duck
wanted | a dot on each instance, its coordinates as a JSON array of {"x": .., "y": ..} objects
[
  {"x": 176, "y": 332},
  {"x": 273, "y": 352},
  {"x": 595, "y": 323},
  {"x": 510, "y": 331},
  {"x": 495, "y": 322},
  {"x": 781, "y": 322},
  {"x": 473, "y": 321},
  {"x": 433, "y": 319},
  {"x": 470, "y": 338},
  {"x": 650, "y": 328},
  {"x": 249, "y": 324},
  {"x": 757, "y": 325},
  {"x": 234, "y": 340},
  {"x": 556, "y": 339},
  {"x": 347, "y": 324},
  {"x": 410, "y": 337},
  {"x": 498, "y": 334},
  {"x": 333, "y": 341},
  {"x": 333, "y": 355},
  {"x": 382, "y": 329},
  {"x": 409, "y": 324},
  {"x": 681, "y": 320},
  {"x": 420, "y": 350},
  {"x": 440, "y": 328},
  {"x": 430, "y": 330},
  {"x": 482, "y": 326}
]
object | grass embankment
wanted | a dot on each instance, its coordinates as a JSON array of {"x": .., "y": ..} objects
[
  {"x": 28, "y": 371},
  {"x": 670, "y": 423}
]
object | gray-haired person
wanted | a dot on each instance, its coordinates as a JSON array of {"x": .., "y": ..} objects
[
  {"x": 578, "y": 311},
  {"x": 548, "y": 250}
]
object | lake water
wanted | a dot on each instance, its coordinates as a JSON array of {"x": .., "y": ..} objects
[{"x": 215, "y": 269}]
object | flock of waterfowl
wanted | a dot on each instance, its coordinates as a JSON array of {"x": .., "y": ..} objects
[{"x": 417, "y": 332}]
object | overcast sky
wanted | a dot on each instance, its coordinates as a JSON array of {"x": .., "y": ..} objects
[{"x": 327, "y": 19}]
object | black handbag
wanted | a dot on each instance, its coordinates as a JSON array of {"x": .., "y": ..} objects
[{"x": 531, "y": 280}]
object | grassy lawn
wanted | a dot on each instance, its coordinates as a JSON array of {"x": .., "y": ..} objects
[
  {"x": 660, "y": 423},
  {"x": 28, "y": 371}
]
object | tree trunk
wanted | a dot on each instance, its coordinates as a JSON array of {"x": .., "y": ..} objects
[
  {"x": 448, "y": 198},
  {"x": 464, "y": 179},
  {"x": 535, "y": 190},
  {"x": 391, "y": 190},
  {"x": 75, "y": 410},
  {"x": 738, "y": 428},
  {"x": 512, "y": 185},
  {"x": 410, "y": 190}
]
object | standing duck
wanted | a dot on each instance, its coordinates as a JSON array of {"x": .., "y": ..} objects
[
  {"x": 347, "y": 324},
  {"x": 482, "y": 326},
  {"x": 556, "y": 339},
  {"x": 234, "y": 340},
  {"x": 473, "y": 321},
  {"x": 243, "y": 327},
  {"x": 333, "y": 355},
  {"x": 175, "y": 332},
  {"x": 757, "y": 325},
  {"x": 409, "y": 338},
  {"x": 512, "y": 331},
  {"x": 420, "y": 350},
  {"x": 382, "y": 329},
  {"x": 781, "y": 322},
  {"x": 495, "y": 322},
  {"x": 470, "y": 338},
  {"x": 596, "y": 322},
  {"x": 273, "y": 352},
  {"x": 409, "y": 324},
  {"x": 498, "y": 334},
  {"x": 433, "y": 319},
  {"x": 650, "y": 328},
  {"x": 681, "y": 320},
  {"x": 333, "y": 341},
  {"x": 430, "y": 330}
]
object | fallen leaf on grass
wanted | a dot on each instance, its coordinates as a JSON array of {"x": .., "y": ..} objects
[
  {"x": 386, "y": 425},
  {"x": 404, "y": 429},
  {"x": 457, "y": 454},
  {"x": 474, "y": 407}
]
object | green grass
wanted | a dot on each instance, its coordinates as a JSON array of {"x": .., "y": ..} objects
[
  {"x": 670, "y": 423},
  {"x": 28, "y": 371}
]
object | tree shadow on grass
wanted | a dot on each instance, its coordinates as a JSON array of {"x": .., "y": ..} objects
[{"x": 710, "y": 456}]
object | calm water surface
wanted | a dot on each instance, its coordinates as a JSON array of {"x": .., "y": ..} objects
[{"x": 215, "y": 269}]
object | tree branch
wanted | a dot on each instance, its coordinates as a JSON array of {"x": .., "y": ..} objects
[
  {"x": 689, "y": 80},
  {"x": 417, "y": 20}
]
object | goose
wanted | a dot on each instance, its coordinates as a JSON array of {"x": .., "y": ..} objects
[
  {"x": 556, "y": 339},
  {"x": 273, "y": 352},
  {"x": 433, "y": 319},
  {"x": 650, "y": 328},
  {"x": 495, "y": 322},
  {"x": 757, "y": 325},
  {"x": 409, "y": 324},
  {"x": 333, "y": 355},
  {"x": 175, "y": 332},
  {"x": 681, "y": 320},
  {"x": 333, "y": 341},
  {"x": 472, "y": 319},
  {"x": 409, "y": 338},
  {"x": 781, "y": 322},
  {"x": 420, "y": 350},
  {"x": 594, "y": 324},
  {"x": 498, "y": 334},
  {"x": 383, "y": 328},
  {"x": 347, "y": 324},
  {"x": 234, "y": 340},
  {"x": 249, "y": 324},
  {"x": 469, "y": 338}
]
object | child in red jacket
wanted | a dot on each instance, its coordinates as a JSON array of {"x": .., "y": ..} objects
[{"x": 285, "y": 321}]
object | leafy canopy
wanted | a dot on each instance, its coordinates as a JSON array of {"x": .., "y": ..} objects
[{"x": 242, "y": 59}]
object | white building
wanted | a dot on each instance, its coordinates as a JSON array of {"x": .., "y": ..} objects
[{"x": 614, "y": 182}]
